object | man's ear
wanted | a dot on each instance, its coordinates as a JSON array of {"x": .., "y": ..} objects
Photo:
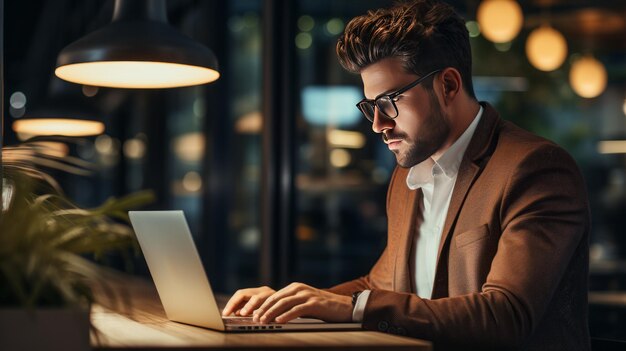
[{"x": 451, "y": 83}]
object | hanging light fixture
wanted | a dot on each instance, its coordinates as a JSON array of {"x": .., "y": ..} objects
[
  {"x": 138, "y": 49},
  {"x": 64, "y": 111},
  {"x": 500, "y": 20},
  {"x": 588, "y": 77},
  {"x": 546, "y": 48},
  {"x": 30, "y": 127}
]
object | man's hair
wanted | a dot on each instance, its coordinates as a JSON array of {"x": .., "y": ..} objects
[{"x": 425, "y": 34}]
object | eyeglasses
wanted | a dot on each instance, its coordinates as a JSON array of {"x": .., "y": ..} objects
[{"x": 386, "y": 103}]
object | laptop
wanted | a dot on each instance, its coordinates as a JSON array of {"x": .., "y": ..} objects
[{"x": 182, "y": 283}]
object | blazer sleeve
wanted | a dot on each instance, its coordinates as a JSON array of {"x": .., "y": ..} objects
[{"x": 544, "y": 218}]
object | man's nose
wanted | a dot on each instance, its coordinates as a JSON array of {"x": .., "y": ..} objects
[{"x": 381, "y": 122}]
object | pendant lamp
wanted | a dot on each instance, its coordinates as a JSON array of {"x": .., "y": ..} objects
[
  {"x": 65, "y": 111},
  {"x": 588, "y": 77},
  {"x": 30, "y": 127},
  {"x": 138, "y": 49},
  {"x": 500, "y": 20},
  {"x": 546, "y": 48}
]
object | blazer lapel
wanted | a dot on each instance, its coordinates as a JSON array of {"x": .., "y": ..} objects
[
  {"x": 401, "y": 271},
  {"x": 468, "y": 171}
]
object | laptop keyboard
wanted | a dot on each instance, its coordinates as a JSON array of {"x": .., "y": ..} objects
[
  {"x": 246, "y": 323},
  {"x": 242, "y": 320}
]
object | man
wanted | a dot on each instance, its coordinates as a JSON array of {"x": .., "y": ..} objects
[{"x": 488, "y": 224}]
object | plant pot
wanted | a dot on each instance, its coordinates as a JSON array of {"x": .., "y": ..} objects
[{"x": 44, "y": 329}]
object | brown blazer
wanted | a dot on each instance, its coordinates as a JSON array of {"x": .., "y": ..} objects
[{"x": 513, "y": 259}]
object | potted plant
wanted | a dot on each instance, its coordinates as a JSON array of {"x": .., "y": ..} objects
[{"x": 47, "y": 280}]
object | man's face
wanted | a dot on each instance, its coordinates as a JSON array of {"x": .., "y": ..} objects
[{"x": 421, "y": 127}]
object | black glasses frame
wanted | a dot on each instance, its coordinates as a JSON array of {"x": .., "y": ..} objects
[{"x": 367, "y": 106}]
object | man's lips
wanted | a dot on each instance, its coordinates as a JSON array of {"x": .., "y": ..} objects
[{"x": 392, "y": 142}]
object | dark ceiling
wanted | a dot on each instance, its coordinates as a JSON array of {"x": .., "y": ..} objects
[{"x": 36, "y": 30}]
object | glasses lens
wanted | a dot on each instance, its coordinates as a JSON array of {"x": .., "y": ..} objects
[
  {"x": 368, "y": 110},
  {"x": 386, "y": 106}
]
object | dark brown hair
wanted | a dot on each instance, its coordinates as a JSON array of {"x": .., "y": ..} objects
[{"x": 425, "y": 34}]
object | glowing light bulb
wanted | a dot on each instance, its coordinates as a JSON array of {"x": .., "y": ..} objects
[
  {"x": 546, "y": 48},
  {"x": 500, "y": 20},
  {"x": 588, "y": 77}
]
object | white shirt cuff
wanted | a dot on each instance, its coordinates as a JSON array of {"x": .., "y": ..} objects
[{"x": 359, "y": 307}]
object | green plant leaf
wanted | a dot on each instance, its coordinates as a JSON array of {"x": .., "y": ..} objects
[{"x": 46, "y": 238}]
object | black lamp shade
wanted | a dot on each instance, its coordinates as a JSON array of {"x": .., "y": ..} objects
[
  {"x": 60, "y": 114},
  {"x": 137, "y": 50}
]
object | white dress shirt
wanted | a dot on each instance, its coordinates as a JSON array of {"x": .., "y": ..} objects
[{"x": 436, "y": 177}]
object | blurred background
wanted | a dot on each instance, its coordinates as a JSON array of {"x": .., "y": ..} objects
[{"x": 279, "y": 175}]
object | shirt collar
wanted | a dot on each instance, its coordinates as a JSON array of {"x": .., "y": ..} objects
[{"x": 449, "y": 162}]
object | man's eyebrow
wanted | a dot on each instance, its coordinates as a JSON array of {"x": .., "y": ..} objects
[{"x": 387, "y": 92}]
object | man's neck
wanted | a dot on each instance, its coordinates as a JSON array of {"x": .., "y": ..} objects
[{"x": 462, "y": 116}]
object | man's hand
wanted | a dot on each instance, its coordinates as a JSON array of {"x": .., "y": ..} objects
[
  {"x": 298, "y": 300},
  {"x": 245, "y": 301}
]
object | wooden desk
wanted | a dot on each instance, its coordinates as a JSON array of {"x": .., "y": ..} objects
[{"x": 145, "y": 327}]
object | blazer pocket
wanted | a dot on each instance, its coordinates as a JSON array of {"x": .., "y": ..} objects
[{"x": 471, "y": 236}]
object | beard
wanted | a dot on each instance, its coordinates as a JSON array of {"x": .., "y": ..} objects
[{"x": 430, "y": 137}]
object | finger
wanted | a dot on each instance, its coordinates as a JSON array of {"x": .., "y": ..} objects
[
  {"x": 268, "y": 303},
  {"x": 305, "y": 309},
  {"x": 235, "y": 301},
  {"x": 289, "y": 290},
  {"x": 281, "y": 307},
  {"x": 254, "y": 303}
]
